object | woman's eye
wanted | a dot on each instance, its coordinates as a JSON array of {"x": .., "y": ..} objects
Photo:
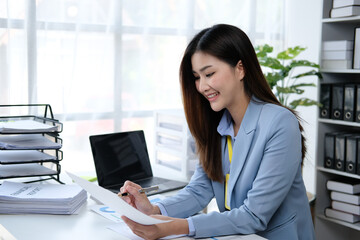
[{"x": 210, "y": 74}]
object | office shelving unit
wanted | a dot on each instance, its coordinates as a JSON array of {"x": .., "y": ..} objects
[
  {"x": 174, "y": 144},
  {"x": 327, "y": 228},
  {"x": 32, "y": 162}
]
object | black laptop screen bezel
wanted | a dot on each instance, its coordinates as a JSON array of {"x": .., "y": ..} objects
[{"x": 120, "y": 146}]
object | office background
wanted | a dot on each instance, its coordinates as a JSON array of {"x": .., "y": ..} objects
[{"x": 107, "y": 65}]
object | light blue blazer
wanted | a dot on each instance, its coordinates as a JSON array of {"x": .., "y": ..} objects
[{"x": 267, "y": 193}]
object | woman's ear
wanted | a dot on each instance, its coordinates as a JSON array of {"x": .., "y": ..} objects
[{"x": 240, "y": 70}]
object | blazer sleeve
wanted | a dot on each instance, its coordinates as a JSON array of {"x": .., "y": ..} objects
[
  {"x": 191, "y": 199},
  {"x": 279, "y": 163}
]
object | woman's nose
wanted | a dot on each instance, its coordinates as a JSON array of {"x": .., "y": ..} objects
[{"x": 203, "y": 86}]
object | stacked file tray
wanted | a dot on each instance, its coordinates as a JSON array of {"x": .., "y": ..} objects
[
  {"x": 29, "y": 142},
  {"x": 174, "y": 144}
]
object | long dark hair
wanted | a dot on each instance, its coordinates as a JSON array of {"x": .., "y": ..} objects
[{"x": 229, "y": 44}]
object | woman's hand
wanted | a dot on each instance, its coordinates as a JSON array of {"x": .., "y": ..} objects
[
  {"x": 175, "y": 227},
  {"x": 138, "y": 200}
]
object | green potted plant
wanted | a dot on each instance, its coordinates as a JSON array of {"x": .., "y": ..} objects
[{"x": 282, "y": 78}]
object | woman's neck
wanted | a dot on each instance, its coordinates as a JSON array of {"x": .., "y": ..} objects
[{"x": 237, "y": 113}]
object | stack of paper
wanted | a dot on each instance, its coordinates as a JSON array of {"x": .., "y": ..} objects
[
  {"x": 345, "y": 204},
  {"x": 337, "y": 54},
  {"x": 20, "y": 198},
  {"x": 26, "y": 126}
]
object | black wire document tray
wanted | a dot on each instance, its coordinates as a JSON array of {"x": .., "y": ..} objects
[
  {"x": 29, "y": 125},
  {"x": 28, "y": 156},
  {"x": 29, "y": 142},
  {"x": 26, "y": 170}
]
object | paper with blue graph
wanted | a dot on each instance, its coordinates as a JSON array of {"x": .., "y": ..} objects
[{"x": 113, "y": 201}]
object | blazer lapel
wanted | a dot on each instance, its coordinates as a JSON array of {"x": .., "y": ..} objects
[{"x": 243, "y": 141}]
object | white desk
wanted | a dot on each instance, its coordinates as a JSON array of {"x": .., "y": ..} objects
[{"x": 87, "y": 225}]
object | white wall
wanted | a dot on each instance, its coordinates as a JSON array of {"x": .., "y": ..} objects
[{"x": 303, "y": 27}]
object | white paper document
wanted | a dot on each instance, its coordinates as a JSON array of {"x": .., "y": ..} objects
[
  {"x": 112, "y": 215},
  {"x": 114, "y": 202},
  {"x": 27, "y": 126},
  {"x": 5, "y": 234},
  {"x": 28, "y": 141}
]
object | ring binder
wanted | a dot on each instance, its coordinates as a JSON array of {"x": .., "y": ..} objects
[
  {"x": 325, "y": 100},
  {"x": 349, "y": 102},
  {"x": 337, "y": 101}
]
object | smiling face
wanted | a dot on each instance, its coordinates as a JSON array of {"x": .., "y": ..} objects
[{"x": 220, "y": 83}]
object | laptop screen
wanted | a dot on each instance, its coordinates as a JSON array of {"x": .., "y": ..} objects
[{"x": 119, "y": 157}]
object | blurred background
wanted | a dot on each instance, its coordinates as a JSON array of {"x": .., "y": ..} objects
[{"x": 109, "y": 65}]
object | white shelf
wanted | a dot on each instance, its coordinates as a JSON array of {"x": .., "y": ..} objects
[
  {"x": 354, "y": 71},
  {"x": 339, "y": 122},
  {"x": 336, "y": 172},
  {"x": 355, "y": 226},
  {"x": 354, "y": 19}
]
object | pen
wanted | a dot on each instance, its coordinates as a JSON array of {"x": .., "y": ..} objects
[{"x": 142, "y": 190}]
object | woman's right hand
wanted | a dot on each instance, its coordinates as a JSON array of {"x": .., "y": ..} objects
[{"x": 138, "y": 200}]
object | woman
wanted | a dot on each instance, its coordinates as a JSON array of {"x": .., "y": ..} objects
[{"x": 250, "y": 149}]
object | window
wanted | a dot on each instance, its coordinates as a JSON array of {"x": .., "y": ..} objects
[{"x": 106, "y": 65}]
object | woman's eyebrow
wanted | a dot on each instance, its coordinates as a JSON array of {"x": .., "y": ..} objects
[{"x": 203, "y": 68}]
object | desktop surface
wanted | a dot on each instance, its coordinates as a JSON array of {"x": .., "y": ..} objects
[{"x": 85, "y": 225}]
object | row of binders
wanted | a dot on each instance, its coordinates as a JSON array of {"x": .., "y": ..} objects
[
  {"x": 342, "y": 152},
  {"x": 345, "y": 200},
  {"x": 340, "y": 102},
  {"x": 345, "y": 8}
]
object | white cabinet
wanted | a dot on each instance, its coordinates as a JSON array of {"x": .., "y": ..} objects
[{"x": 174, "y": 145}]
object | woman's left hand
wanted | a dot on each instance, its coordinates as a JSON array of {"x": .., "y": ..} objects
[{"x": 174, "y": 227}]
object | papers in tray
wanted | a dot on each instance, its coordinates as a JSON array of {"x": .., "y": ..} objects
[
  {"x": 24, "y": 156},
  {"x": 20, "y": 198},
  {"x": 26, "y": 126},
  {"x": 25, "y": 170},
  {"x": 28, "y": 141}
]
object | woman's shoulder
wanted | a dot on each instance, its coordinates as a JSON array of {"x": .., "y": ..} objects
[
  {"x": 276, "y": 116},
  {"x": 271, "y": 110}
]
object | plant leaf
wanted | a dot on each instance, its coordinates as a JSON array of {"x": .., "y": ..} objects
[
  {"x": 263, "y": 50},
  {"x": 309, "y": 73},
  {"x": 289, "y": 90},
  {"x": 270, "y": 62},
  {"x": 290, "y": 53},
  {"x": 304, "y": 85},
  {"x": 303, "y": 63},
  {"x": 272, "y": 78},
  {"x": 306, "y": 102}
]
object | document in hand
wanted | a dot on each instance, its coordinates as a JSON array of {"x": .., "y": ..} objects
[
  {"x": 115, "y": 202},
  {"x": 19, "y": 198}
]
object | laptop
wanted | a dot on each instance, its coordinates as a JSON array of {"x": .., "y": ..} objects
[{"x": 124, "y": 156}]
